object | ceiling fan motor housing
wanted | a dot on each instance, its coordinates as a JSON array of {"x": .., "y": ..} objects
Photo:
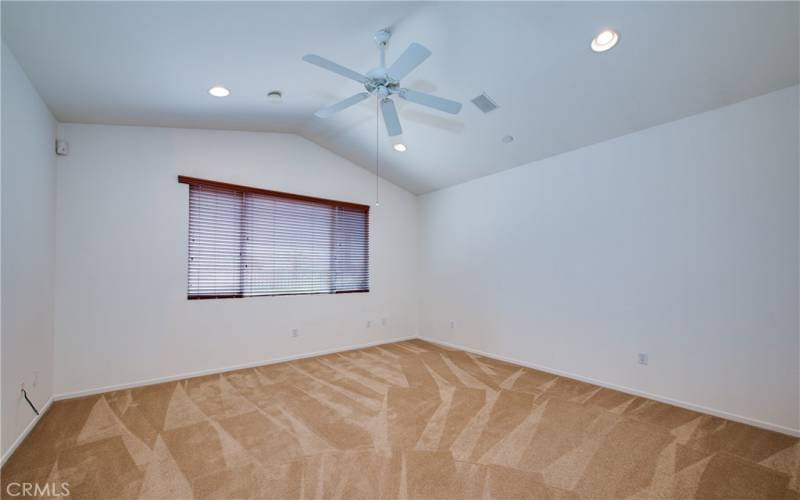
[{"x": 379, "y": 80}]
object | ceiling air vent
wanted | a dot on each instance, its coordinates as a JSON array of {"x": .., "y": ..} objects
[{"x": 485, "y": 103}]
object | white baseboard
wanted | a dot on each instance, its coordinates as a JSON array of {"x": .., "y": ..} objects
[
  {"x": 675, "y": 402},
  {"x": 26, "y": 431},
  {"x": 212, "y": 371}
]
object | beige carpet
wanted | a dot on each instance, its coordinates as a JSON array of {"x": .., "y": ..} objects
[{"x": 405, "y": 420}]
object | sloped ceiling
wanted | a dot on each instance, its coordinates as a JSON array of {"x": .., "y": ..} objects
[{"x": 150, "y": 63}]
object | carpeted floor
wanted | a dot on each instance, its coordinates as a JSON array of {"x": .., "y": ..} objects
[{"x": 405, "y": 420}]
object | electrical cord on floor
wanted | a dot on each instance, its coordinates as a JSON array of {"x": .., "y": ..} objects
[{"x": 29, "y": 402}]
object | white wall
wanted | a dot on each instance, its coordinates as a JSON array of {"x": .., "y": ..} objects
[
  {"x": 28, "y": 238},
  {"x": 121, "y": 310},
  {"x": 680, "y": 241}
]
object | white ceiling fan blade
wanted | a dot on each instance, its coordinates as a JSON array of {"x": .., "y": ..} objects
[
  {"x": 346, "y": 103},
  {"x": 390, "y": 117},
  {"x": 414, "y": 55},
  {"x": 336, "y": 68},
  {"x": 431, "y": 101}
]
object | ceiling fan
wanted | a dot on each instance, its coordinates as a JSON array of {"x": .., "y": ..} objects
[{"x": 383, "y": 82}]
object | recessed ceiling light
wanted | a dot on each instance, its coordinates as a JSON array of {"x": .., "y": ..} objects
[
  {"x": 275, "y": 96},
  {"x": 605, "y": 40},
  {"x": 400, "y": 147},
  {"x": 218, "y": 91},
  {"x": 507, "y": 139}
]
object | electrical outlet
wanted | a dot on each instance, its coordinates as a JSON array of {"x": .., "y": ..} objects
[
  {"x": 369, "y": 324},
  {"x": 295, "y": 332},
  {"x": 643, "y": 358},
  {"x": 452, "y": 325},
  {"x": 384, "y": 321}
]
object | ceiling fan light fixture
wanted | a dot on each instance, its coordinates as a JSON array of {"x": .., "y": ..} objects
[
  {"x": 399, "y": 147},
  {"x": 219, "y": 91},
  {"x": 605, "y": 40}
]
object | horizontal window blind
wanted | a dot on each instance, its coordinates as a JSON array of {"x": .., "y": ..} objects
[{"x": 246, "y": 242}]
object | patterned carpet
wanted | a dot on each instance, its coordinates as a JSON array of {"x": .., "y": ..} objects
[{"x": 404, "y": 420}]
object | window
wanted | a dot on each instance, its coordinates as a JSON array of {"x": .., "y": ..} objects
[{"x": 246, "y": 242}]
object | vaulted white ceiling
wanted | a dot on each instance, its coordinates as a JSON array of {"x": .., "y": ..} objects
[{"x": 151, "y": 63}]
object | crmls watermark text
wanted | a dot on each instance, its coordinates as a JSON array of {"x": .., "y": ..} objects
[{"x": 37, "y": 490}]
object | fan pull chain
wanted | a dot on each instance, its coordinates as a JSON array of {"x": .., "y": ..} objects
[{"x": 377, "y": 153}]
